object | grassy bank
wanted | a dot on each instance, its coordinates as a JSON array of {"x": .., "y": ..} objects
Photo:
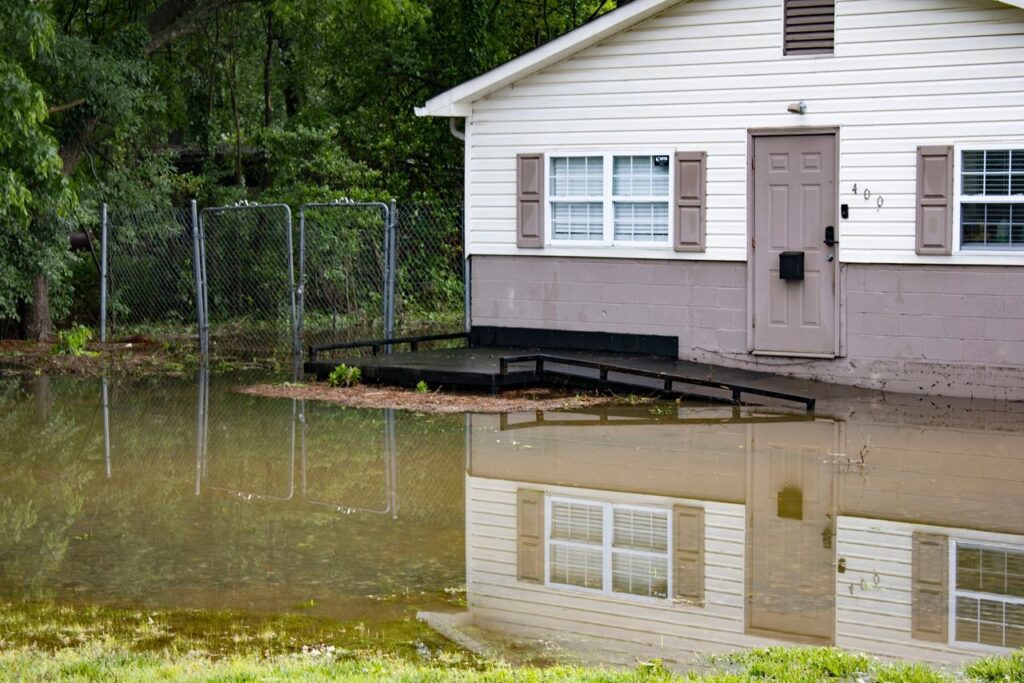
[{"x": 43, "y": 642}]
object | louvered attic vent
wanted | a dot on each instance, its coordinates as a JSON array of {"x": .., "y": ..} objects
[{"x": 810, "y": 27}]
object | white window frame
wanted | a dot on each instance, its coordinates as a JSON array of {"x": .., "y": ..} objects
[
  {"x": 954, "y": 592},
  {"x": 959, "y": 198},
  {"x": 607, "y": 534},
  {"x": 607, "y": 199}
]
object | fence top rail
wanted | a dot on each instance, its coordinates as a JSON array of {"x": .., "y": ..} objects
[
  {"x": 736, "y": 389},
  {"x": 337, "y": 203},
  {"x": 246, "y": 205},
  {"x": 378, "y": 343}
]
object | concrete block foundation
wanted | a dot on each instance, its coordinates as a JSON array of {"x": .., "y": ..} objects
[{"x": 942, "y": 330}]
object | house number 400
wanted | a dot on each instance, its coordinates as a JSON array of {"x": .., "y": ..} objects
[{"x": 879, "y": 200}]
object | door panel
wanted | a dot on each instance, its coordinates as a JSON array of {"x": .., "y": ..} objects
[
  {"x": 794, "y": 200},
  {"x": 791, "y": 585}
]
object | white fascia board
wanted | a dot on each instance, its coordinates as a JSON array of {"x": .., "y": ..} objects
[{"x": 456, "y": 102}]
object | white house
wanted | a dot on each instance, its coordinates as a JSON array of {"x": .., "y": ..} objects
[
  {"x": 877, "y": 531},
  {"x": 829, "y": 189}
]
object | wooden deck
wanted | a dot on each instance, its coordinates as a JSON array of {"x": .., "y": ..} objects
[{"x": 480, "y": 369}]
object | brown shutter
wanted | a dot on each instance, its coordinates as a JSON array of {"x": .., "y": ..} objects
[
  {"x": 810, "y": 27},
  {"x": 929, "y": 587},
  {"x": 530, "y": 201},
  {"x": 530, "y": 535},
  {"x": 690, "y": 197},
  {"x": 688, "y": 553},
  {"x": 935, "y": 200}
]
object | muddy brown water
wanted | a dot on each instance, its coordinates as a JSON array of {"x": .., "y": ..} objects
[{"x": 889, "y": 525}]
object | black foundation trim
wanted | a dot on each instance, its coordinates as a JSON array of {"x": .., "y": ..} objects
[{"x": 612, "y": 342}]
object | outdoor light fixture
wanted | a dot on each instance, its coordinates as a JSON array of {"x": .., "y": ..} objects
[{"x": 797, "y": 108}]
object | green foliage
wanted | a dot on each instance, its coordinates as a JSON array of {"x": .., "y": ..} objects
[
  {"x": 421, "y": 387},
  {"x": 344, "y": 376},
  {"x": 1010, "y": 668},
  {"x": 73, "y": 342}
]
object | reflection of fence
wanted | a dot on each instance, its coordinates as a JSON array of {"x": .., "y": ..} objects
[{"x": 358, "y": 270}]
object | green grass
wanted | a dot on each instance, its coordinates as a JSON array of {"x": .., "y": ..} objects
[{"x": 46, "y": 642}]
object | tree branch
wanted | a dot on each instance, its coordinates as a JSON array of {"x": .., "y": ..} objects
[
  {"x": 64, "y": 107},
  {"x": 176, "y": 19}
]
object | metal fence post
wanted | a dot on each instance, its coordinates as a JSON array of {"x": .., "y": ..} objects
[
  {"x": 197, "y": 271},
  {"x": 390, "y": 271},
  {"x": 103, "y": 273},
  {"x": 296, "y": 343},
  {"x": 300, "y": 303}
]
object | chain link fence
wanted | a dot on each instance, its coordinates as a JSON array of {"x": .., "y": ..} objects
[
  {"x": 151, "y": 282},
  {"x": 343, "y": 270},
  {"x": 429, "y": 268},
  {"x": 249, "y": 280},
  {"x": 346, "y": 272}
]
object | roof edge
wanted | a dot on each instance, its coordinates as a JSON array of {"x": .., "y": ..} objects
[{"x": 456, "y": 101}]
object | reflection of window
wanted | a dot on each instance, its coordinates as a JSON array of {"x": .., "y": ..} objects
[
  {"x": 609, "y": 548},
  {"x": 610, "y": 198},
  {"x": 991, "y": 191},
  {"x": 989, "y": 597}
]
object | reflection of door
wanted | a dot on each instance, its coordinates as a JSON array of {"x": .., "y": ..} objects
[
  {"x": 794, "y": 201},
  {"x": 791, "y": 581}
]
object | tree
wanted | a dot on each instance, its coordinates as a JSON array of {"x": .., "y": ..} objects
[{"x": 33, "y": 192}]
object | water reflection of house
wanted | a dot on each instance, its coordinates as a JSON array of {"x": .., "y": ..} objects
[{"x": 667, "y": 539}]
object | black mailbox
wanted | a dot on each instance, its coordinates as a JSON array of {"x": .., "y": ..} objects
[{"x": 791, "y": 265}]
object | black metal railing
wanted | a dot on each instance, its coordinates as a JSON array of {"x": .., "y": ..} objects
[
  {"x": 377, "y": 345},
  {"x": 668, "y": 380}
]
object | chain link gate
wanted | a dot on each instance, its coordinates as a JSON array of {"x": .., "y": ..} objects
[
  {"x": 148, "y": 279},
  {"x": 366, "y": 270},
  {"x": 346, "y": 272},
  {"x": 248, "y": 306}
]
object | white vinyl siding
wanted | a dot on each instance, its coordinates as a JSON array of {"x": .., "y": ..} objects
[
  {"x": 874, "y": 594},
  {"x": 699, "y": 75},
  {"x": 632, "y": 628}
]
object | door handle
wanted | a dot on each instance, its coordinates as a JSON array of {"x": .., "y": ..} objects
[{"x": 830, "y": 236}]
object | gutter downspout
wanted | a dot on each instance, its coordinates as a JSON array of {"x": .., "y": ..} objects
[{"x": 454, "y": 128}]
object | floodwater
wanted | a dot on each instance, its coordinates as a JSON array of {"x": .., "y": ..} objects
[{"x": 889, "y": 525}]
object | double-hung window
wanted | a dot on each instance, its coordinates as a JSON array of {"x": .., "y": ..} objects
[
  {"x": 609, "y": 199},
  {"x": 988, "y": 601},
  {"x": 608, "y": 548},
  {"x": 990, "y": 187}
]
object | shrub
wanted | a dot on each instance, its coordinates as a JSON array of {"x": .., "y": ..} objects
[
  {"x": 421, "y": 387},
  {"x": 344, "y": 376},
  {"x": 72, "y": 342}
]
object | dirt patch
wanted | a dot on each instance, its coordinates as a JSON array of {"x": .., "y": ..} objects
[
  {"x": 135, "y": 356},
  {"x": 374, "y": 396}
]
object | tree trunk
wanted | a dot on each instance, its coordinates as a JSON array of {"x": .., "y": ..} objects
[
  {"x": 37, "y": 323},
  {"x": 268, "y": 66}
]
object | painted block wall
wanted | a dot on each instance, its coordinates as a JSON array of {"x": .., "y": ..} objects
[
  {"x": 699, "y": 75},
  {"x": 947, "y": 330}
]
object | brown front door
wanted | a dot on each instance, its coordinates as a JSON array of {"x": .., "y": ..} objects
[
  {"x": 791, "y": 523},
  {"x": 794, "y": 200}
]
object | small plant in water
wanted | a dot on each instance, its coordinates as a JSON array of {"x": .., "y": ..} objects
[
  {"x": 344, "y": 376},
  {"x": 421, "y": 387},
  {"x": 72, "y": 342}
]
